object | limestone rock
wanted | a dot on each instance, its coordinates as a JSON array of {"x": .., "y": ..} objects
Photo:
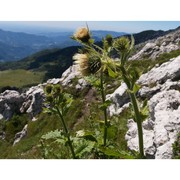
[
  {"x": 82, "y": 83},
  {"x": 34, "y": 101},
  {"x": 53, "y": 81},
  {"x": 154, "y": 48},
  {"x": 161, "y": 129},
  {"x": 2, "y": 135},
  {"x": 10, "y": 102},
  {"x": 69, "y": 75},
  {"x": 119, "y": 99},
  {"x": 168, "y": 70},
  {"x": 20, "y": 135}
]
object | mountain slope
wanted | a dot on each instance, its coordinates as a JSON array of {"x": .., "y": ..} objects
[
  {"x": 17, "y": 45},
  {"x": 53, "y": 62}
]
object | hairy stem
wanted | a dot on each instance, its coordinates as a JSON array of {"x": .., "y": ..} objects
[
  {"x": 136, "y": 111},
  {"x": 104, "y": 110},
  {"x": 67, "y": 133},
  {"x": 139, "y": 124}
]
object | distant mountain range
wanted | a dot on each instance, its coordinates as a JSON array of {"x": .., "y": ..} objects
[
  {"x": 54, "y": 61},
  {"x": 17, "y": 45}
]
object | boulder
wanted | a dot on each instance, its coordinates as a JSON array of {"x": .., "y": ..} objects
[
  {"x": 10, "y": 102},
  {"x": 33, "y": 102},
  {"x": 119, "y": 99}
]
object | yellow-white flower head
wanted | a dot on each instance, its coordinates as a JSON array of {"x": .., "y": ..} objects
[
  {"x": 82, "y": 61},
  {"x": 82, "y": 34}
]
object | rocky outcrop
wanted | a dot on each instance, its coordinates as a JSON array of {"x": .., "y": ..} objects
[
  {"x": 33, "y": 102},
  {"x": 161, "y": 129},
  {"x": 81, "y": 84},
  {"x": 20, "y": 135},
  {"x": 10, "y": 102},
  {"x": 160, "y": 78},
  {"x": 30, "y": 102},
  {"x": 161, "y": 86},
  {"x": 159, "y": 75},
  {"x": 164, "y": 44},
  {"x": 119, "y": 100},
  {"x": 69, "y": 75}
]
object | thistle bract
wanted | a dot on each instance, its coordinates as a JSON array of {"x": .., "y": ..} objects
[{"x": 88, "y": 63}]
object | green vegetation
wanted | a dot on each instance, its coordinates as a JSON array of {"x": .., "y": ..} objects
[
  {"x": 85, "y": 119},
  {"x": 20, "y": 78},
  {"x": 176, "y": 148},
  {"x": 52, "y": 62},
  {"x": 145, "y": 65}
]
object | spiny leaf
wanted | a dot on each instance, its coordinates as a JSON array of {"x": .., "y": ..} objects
[{"x": 111, "y": 73}]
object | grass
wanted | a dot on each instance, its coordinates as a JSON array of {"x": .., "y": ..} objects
[
  {"x": 29, "y": 147},
  {"x": 20, "y": 78},
  {"x": 145, "y": 65}
]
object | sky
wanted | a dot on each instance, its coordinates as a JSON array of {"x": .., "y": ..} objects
[{"x": 119, "y": 26}]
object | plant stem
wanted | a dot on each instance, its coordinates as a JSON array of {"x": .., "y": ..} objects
[
  {"x": 139, "y": 124},
  {"x": 136, "y": 111},
  {"x": 104, "y": 110},
  {"x": 67, "y": 133}
]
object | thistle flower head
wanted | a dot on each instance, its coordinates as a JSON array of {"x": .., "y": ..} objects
[
  {"x": 122, "y": 44},
  {"x": 107, "y": 42},
  {"x": 82, "y": 61},
  {"x": 48, "y": 89},
  {"x": 109, "y": 39},
  {"x": 88, "y": 64},
  {"x": 82, "y": 34}
]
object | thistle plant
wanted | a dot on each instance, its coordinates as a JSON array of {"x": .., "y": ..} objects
[
  {"x": 95, "y": 60},
  {"x": 98, "y": 61},
  {"x": 129, "y": 75},
  {"x": 59, "y": 103}
]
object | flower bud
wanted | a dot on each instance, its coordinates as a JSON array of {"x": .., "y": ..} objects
[{"x": 122, "y": 44}]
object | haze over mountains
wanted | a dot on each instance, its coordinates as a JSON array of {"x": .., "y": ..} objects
[
  {"x": 17, "y": 45},
  {"x": 51, "y": 53}
]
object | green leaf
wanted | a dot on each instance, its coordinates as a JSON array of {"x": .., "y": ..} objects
[
  {"x": 89, "y": 137},
  {"x": 46, "y": 110},
  {"x": 110, "y": 152},
  {"x": 105, "y": 105},
  {"x": 84, "y": 147},
  {"x": 53, "y": 135},
  {"x": 136, "y": 88},
  {"x": 111, "y": 72},
  {"x": 112, "y": 132},
  {"x": 144, "y": 112}
]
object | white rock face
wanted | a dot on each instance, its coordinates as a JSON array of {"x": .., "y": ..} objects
[
  {"x": 168, "y": 70},
  {"x": 69, "y": 75},
  {"x": 81, "y": 84},
  {"x": 120, "y": 100},
  {"x": 165, "y": 124},
  {"x": 20, "y": 135},
  {"x": 10, "y": 102},
  {"x": 154, "y": 48},
  {"x": 34, "y": 101},
  {"x": 53, "y": 81},
  {"x": 161, "y": 86}
]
